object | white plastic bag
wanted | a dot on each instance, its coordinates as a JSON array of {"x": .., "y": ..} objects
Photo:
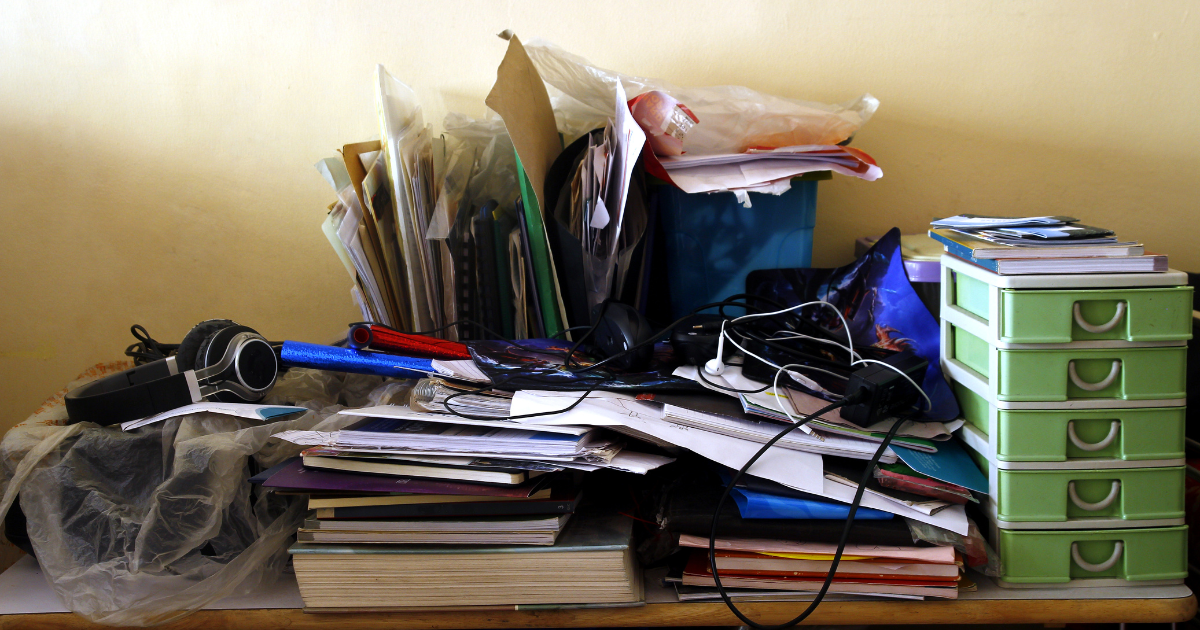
[
  {"x": 731, "y": 118},
  {"x": 145, "y": 527}
]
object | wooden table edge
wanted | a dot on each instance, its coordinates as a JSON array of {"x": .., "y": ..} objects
[{"x": 975, "y": 611}]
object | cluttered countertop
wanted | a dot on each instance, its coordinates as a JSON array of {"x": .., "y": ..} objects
[{"x": 793, "y": 434}]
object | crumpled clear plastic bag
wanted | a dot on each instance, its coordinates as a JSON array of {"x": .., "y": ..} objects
[
  {"x": 488, "y": 151},
  {"x": 974, "y": 547},
  {"x": 732, "y": 118},
  {"x": 481, "y": 166},
  {"x": 145, "y": 527}
]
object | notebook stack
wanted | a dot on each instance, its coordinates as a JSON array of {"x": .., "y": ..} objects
[
  {"x": 777, "y": 544},
  {"x": 449, "y": 510},
  {"x": 757, "y": 568},
  {"x": 800, "y": 491},
  {"x": 1041, "y": 245}
]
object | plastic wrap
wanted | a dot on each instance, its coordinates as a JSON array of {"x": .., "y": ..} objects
[
  {"x": 144, "y": 527},
  {"x": 731, "y": 118},
  {"x": 486, "y": 153},
  {"x": 408, "y": 156},
  {"x": 974, "y": 547}
]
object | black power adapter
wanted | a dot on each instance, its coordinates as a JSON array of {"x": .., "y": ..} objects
[
  {"x": 696, "y": 339},
  {"x": 878, "y": 390}
]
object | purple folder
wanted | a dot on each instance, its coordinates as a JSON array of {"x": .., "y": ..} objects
[{"x": 294, "y": 476}]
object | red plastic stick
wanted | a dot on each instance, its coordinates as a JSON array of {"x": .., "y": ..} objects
[{"x": 388, "y": 340}]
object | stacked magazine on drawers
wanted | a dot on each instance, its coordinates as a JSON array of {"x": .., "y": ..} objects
[{"x": 1073, "y": 388}]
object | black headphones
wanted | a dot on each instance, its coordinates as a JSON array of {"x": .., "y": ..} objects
[{"x": 217, "y": 360}]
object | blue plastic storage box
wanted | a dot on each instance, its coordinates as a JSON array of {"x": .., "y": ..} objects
[{"x": 713, "y": 242}]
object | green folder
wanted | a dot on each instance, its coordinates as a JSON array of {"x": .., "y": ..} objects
[
  {"x": 539, "y": 249},
  {"x": 505, "y": 221}
]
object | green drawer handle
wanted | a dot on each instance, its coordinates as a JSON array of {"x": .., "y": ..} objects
[
  {"x": 1094, "y": 387},
  {"x": 1102, "y": 328},
  {"x": 1096, "y": 568},
  {"x": 1092, "y": 507},
  {"x": 1084, "y": 446}
]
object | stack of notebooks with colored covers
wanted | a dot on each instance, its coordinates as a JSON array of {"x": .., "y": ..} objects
[
  {"x": 777, "y": 544},
  {"x": 1041, "y": 245},
  {"x": 452, "y": 511},
  {"x": 760, "y": 569}
]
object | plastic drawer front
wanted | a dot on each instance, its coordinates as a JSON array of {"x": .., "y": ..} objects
[
  {"x": 1054, "y": 496},
  {"x": 1068, "y": 374},
  {"x": 1122, "y": 494},
  {"x": 1081, "y": 436},
  {"x": 1152, "y": 314},
  {"x": 1080, "y": 557},
  {"x": 1020, "y": 310}
]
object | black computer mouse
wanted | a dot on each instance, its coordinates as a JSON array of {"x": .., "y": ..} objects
[{"x": 620, "y": 328}]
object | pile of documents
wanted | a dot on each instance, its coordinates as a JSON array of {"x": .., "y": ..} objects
[
  {"x": 470, "y": 496},
  {"x": 497, "y": 231},
  {"x": 397, "y": 485},
  {"x": 1041, "y": 245},
  {"x": 799, "y": 491},
  {"x": 765, "y": 170},
  {"x": 377, "y": 226},
  {"x": 461, "y": 466}
]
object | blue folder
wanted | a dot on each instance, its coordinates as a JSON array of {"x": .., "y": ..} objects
[{"x": 753, "y": 504}]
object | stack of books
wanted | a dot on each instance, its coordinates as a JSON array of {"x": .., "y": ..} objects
[
  {"x": 1041, "y": 245},
  {"x": 798, "y": 493},
  {"x": 454, "y": 512},
  {"x": 592, "y": 564},
  {"x": 762, "y": 569},
  {"x": 778, "y": 543}
]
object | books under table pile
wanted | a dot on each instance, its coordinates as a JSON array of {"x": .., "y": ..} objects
[
  {"x": 591, "y": 563},
  {"x": 764, "y": 569},
  {"x": 1041, "y": 245},
  {"x": 417, "y": 510},
  {"x": 777, "y": 544}
]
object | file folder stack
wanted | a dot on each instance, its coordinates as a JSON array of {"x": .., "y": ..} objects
[{"x": 456, "y": 512}]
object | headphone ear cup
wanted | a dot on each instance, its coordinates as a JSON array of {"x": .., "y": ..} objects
[
  {"x": 200, "y": 335},
  {"x": 201, "y": 361},
  {"x": 216, "y": 346}
]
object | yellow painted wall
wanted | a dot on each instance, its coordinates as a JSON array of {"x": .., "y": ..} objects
[{"x": 156, "y": 157}]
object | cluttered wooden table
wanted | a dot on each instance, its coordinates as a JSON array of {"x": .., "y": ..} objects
[{"x": 467, "y": 480}]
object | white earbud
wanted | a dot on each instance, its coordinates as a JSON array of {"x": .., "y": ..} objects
[{"x": 716, "y": 366}]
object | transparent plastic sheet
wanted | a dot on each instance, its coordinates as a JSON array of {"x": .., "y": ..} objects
[
  {"x": 487, "y": 152},
  {"x": 145, "y": 527},
  {"x": 407, "y": 154},
  {"x": 974, "y": 547},
  {"x": 479, "y": 166},
  {"x": 731, "y": 118}
]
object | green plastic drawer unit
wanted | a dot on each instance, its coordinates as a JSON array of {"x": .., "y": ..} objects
[
  {"x": 1066, "y": 374},
  {"x": 1092, "y": 557},
  {"x": 1097, "y": 310},
  {"x": 1086, "y": 437},
  {"x": 1113, "y": 494}
]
